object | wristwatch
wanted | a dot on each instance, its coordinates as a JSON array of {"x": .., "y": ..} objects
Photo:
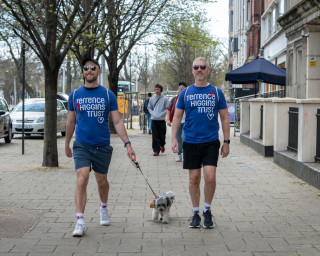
[
  {"x": 226, "y": 141},
  {"x": 128, "y": 142}
]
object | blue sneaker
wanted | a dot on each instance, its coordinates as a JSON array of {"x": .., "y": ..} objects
[
  {"x": 195, "y": 222},
  {"x": 208, "y": 222}
]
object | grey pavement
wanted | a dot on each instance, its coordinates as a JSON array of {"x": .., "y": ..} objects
[{"x": 260, "y": 209}]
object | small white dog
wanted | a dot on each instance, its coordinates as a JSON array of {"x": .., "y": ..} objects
[{"x": 161, "y": 205}]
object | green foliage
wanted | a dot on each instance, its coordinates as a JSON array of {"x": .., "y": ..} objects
[{"x": 185, "y": 40}]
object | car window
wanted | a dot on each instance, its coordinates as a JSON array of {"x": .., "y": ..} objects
[
  {"x": 59, "y": 106},
  {"x": 32, "y": 107},
  {"x": 2, "y": 105}
]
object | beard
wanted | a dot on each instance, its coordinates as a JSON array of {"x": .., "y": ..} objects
[
  {"x": 200, "y": 78},
  {"x": 92, "y": 79}
]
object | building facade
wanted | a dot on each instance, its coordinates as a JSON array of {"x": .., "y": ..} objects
[{"x": 301, "y": 24}]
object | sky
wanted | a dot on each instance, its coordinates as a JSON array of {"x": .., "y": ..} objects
[{"x": 219, "y": 14}]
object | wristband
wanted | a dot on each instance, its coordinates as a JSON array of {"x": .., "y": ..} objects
[
  {"x": 128, "y": 142},
  {"x": 227, "y": 141}
]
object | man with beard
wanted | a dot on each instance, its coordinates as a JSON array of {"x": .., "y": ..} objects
[
  {"x": 202, "y": 103},
  {"x": 89, "y": 108}
]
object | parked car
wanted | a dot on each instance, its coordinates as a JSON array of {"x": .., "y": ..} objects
[
  {"x": 34, "y": 117},
  {"x": 5, "y": 121},
  {"x": 64, "y": 98}
]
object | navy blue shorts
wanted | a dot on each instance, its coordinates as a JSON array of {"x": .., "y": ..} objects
[
  {"x": 197, "y": 155},
  {"x": 97, "y": 158}
]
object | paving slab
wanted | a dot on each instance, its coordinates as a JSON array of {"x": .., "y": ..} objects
[{"x": 260, "y": 209}]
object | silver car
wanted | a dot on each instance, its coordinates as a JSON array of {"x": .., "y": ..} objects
[
  {"x": 5, "y": 121},
  {"x": 34, "y": 117}
]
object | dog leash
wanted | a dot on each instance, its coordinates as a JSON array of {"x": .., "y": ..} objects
[{"x": 136, "y": 164}]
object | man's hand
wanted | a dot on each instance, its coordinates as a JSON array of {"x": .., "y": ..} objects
[
  {"x": 225, "y": 150},
  {"x": 175, "y": 146},
  {"x": 68, "y": 151},
  {"x": 169, "y": 123},
  {"x": 130, "y": 152}
]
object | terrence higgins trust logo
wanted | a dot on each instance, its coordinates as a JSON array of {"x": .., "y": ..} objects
[
  {"x": 205, "y": 103},
  {"x": 94, "y": 107}
]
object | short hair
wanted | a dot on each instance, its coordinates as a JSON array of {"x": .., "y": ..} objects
[
  {"x": 149, "y": 94},
  {"x": 183, "y": 83},
  {"x": 159, "y": 86},
  {"x": 202, "y": 59}
]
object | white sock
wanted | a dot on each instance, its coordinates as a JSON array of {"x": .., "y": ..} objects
[
  {"x": 196, "y": 209},
  {"x": 206, "y": 207},
  {"x": 103, "y": 206},
  {"x": 80, "y": 218}
]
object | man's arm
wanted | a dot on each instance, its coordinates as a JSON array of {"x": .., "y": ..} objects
[
  {"x": 175, "y": 127},
  {"x": 121, "y": 131},
  {"x": 70, "y": 126},
  {"x": 149, "y": 107},
  {"x": 168, "y": 117},
  {"x": 226, "y": 130},
  {"x": 166, "y": 105}
]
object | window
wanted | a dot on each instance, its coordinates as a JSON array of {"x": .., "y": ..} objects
[
  {"x": 2, "y": 105},
  {"x": 59, "y": 106}
]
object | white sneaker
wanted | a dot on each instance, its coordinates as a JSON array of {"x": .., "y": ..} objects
[
  {"x": 104, "y": 218},
  {"x": 179, "y": 158},
  {"x": 79, "y": 230}
]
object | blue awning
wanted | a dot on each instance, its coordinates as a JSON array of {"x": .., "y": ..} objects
[{"x": 259, "y": 70}]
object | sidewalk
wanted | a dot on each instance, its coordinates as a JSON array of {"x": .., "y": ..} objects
[{"x": 260, "y": 209}]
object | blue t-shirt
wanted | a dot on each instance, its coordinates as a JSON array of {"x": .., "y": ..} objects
[
  {"x": 92, "y": 107},
  {"x": 201, "y": 105}
]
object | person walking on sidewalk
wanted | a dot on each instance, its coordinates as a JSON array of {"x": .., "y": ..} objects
[
  {"x": 170, "y": 113},
  {"x": 157, "y": 107},
  {"x": 146, "y": 111},
  {"x": 89, "y": 108},
  {"x": 202, "y": 102}
]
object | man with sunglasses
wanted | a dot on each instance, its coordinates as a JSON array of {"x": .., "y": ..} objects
[
  {"x": 89, "y": 108},
  {"x": 202, "y": 103}
]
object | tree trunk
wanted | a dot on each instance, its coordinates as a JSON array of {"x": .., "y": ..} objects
[
  {"x": 113, "y": 77},
  {"x": 50, "y": 151},
  {"x": 69, "y": 76}
]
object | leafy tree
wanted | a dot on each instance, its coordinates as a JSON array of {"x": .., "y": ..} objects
[
  {"x": 46, "y": 26},
  {"x": 184, "y": 41}
]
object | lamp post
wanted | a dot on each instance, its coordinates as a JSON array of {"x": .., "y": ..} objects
[
  {"x": 63, "y": 78},
  {"x": 15, "y": 90}
]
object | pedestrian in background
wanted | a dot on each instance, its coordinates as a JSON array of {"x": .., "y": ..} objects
[
  {"x": 157, "y": 107},
  {"x": 202, "y": 102},
  {"x": 146, "y": 111},
  {"x": 169, "y": 118},
  {"x": 89, "y": 108}
]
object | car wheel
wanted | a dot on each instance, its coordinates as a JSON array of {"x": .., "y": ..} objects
[
  {"x": 9, "y": 137},
  {"x": 63, "y": 133}
]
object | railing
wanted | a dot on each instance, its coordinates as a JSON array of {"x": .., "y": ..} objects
[
  {"x": 261, "y": 122},
  {"x": 278, "y": 93},
  {"x": 293, "y": 129},
  {"x": 317, "y": 157}
]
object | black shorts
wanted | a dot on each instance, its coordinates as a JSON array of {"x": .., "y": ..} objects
[{"x": 197, "y": 155}]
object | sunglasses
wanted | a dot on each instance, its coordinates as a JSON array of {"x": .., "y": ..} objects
[
  {"x": 202, "y": 67},
  {"x": 86, "y": 68}
]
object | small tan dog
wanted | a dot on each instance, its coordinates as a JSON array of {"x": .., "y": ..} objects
[{"x": 161, "y": 206}]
